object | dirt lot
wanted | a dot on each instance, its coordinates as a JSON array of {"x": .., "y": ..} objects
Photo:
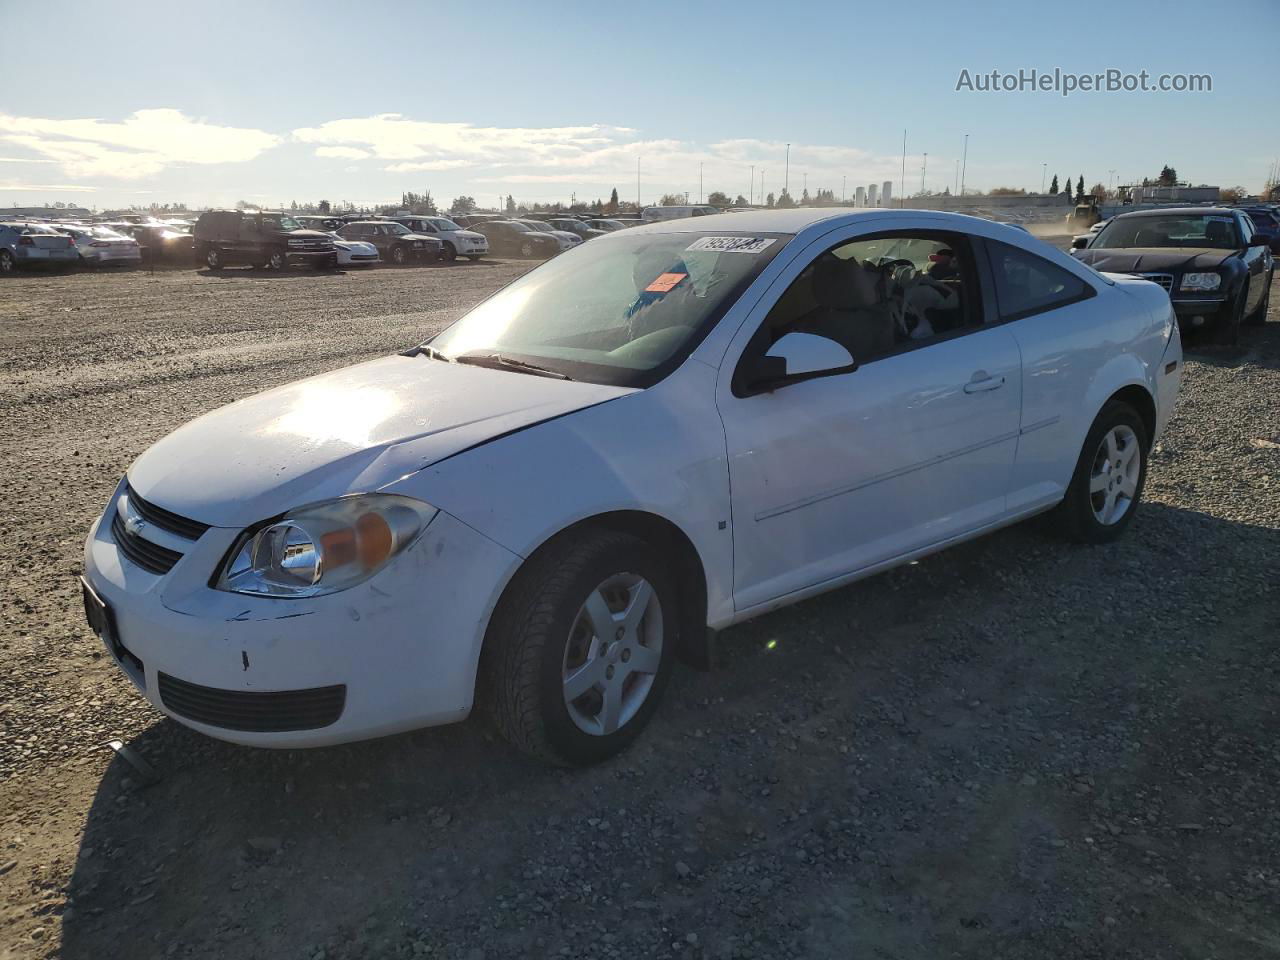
[{"x": 1014, "y": 749}]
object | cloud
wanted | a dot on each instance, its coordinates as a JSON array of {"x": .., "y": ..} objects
[
  {"x": 43, "y": 187},
  {"x": 141, "y": 145},
  {"x": 342, "y": 153}
]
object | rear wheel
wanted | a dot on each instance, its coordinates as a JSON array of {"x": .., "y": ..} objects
[
  {"x": 526, "y": 249},
  {"x": 1107, "y": 484},
  {"x": 581, "y": 646},
  {"x": 276, "y": 259},
  {"x": 7, "y": 265},
  {"x": 1259, "y": 316},
  {"x": 449, "y": 253},
  {"x": 399, "y": 255}
]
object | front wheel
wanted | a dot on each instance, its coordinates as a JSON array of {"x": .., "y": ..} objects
[
  {"x": 1228, "y": 332},
  {"x": 213, "y": 258},
  {"x": 526, "y": 249},
  {"x": 6, "y": 263},
  {"x": 399, "y": 255},
  {"x": 1107, "y": 484},
  {"x": 276, "y": 260},
  {"x": 581, "y": 646},
  {"x": 449, "y": 253}
]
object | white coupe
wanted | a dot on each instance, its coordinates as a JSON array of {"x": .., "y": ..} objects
[
  {"x": 652, "y": 437},
  {"x": 355, "y": 253}
]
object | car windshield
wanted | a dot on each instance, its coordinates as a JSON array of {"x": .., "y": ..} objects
[
  {"x": 519, "y": 227},
  {"x": 622, "y": 310},
  {"x": 282, "y": 222},
  {"x": 1215, "y": 231},
  {"x": 398, "y": 229},
  {"x": 108, "y": 234}
]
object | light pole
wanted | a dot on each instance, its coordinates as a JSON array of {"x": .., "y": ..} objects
[
  {"x": 844, "y": 180},
  {"x": 924, "y": 169},
  {"x": 637, "y": 184},
  {"x": 902, "y": 179},
  {"x": 751, "y": 191},
  {"x": 964, "y": 163},
  {"x": 762, "y": 186},
  {"x": 1044, "y": 169},
  {"x": 700, "y": 200},
  {"x": 786, "y": 173}
]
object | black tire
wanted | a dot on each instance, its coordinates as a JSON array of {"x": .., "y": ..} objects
[
  {"x": 213, "y": 258},
  {"x": 525, "y": 647},
  {"x": 1075, "y": 516},
  {"x": 277, "y": 259},
  {"x": 449, "y": 253},
  {"x": 1228, "y": 328},
  {"x": 7, "y": 264},
  {"x": 1259, "y": 316},
  {"x": 526, "y": 249},
  {"x": 399, "y": 255}
]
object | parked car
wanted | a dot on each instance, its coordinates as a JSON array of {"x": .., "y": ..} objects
[
  {"x": 509, "y": 238},
  {"x": 325, "y": 224},
  {"x": 102, "y": 246},
  {"x": 25, "y": 244},
  {"x": 355, "y": 253},
  {"x": 566, "y": 239},
  {"x": 1209, "y": 261},
  {"x": 578, "y": 228},
  {"x": 1266, "y": 223},
  {"x": 265, "y": 239},
  {"x": 161, "y": 243},
  {"x": 456, "y": 241},
  {"x": 608, "y": 226},
  {"x": 669, "y": 431},
  {"x": 396, "y": 243},
  {"x": 651, "y": 214}
]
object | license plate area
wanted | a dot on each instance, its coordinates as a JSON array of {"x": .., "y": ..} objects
[{"x": 103, "y": 623}]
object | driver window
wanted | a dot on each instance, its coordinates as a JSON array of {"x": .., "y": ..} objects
[{"x": 883, "y": 295}]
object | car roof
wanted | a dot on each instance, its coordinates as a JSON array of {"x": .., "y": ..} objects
[{"x": 1178, "y": 211}]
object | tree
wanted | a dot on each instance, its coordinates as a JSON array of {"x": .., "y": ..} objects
[
  {"x": 784, "y": 200},
  {"x": 1232, "y": 194},
  {"x": 769, "y": 202},
  {"x": 323, "y": 206},
  {"x": 510, "y": 206},
  {"x": 740, "y": 201},
  {"x": 671, "y": 200},
  {"x": 613, "y": 202},
  {"x": 1006, "y": 192},
  {"x": 1100, "y": 191},
  {"x": 1080, "y": 189},
  {"x": 462, "y": 204},
  {"x": 718, "y": 198},
  {"x": 1168, "y": 177},
  {"x": 1053, "y": 187}
]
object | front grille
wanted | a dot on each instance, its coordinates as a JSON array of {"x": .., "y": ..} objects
[
  {"x": 164, "y": 519},
  {"x": 1164, "y": 279},
  {"x": 274, "y": 712},
  {"x": 144, "y": 553}
]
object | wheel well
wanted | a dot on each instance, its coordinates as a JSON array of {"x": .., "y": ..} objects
[
  {"x": 1140, "y": 400},
  {"x": 689, "y": 576}
]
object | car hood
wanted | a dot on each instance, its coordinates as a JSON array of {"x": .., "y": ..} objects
[
  {"x": 352, "y": 430},
  {"x": 308, "y": 234},
  {"x": 1153, "y": 259},
  {"x": 468, "y": 234},
  {"x": 418, "y": 236}
]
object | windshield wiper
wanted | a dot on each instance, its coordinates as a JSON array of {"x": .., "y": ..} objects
[
  {"x": 426, "y": 350},
  {"x": 498, "y": 362}
]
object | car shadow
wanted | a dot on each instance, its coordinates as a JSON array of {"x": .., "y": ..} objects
[
  {"x": 236, "y": 848},
  {"x": 258, "y": 273}
]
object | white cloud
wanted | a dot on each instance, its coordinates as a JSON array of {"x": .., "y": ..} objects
[
  {"x": 141, "y": 145},
  {"x": 342, "y": 153},
  {"x": 43, "y": 187}
]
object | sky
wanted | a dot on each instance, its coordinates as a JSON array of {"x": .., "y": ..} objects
[{"x": 113, "y": 105}]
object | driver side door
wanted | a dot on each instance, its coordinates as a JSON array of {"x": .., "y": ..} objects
[{"x": 836, "y": 475}]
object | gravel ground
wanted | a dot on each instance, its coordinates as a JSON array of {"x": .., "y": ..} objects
[{"x": 1016, "y": 749}]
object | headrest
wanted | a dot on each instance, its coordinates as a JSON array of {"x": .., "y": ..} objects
[
  {"x": 843, "y": 285},
  {"x": 1216, "y": 230}
]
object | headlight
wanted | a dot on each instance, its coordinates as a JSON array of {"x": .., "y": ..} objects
[
  {"x": 325, "y": 547},
  {"x": 1200, "y": 281}
]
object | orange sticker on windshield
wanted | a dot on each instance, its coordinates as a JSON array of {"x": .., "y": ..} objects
[{"x": 665, "y": 282}]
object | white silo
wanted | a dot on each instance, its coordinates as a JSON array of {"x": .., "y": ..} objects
[
  {"x": 871, "y": 195},
  {"x": 886, "y": 194},
  {"x": 860, "y": 197}
]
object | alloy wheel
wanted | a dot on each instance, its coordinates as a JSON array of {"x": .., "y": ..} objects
[
  {"x": 1113, "y": 481},
  {"x": 613, "y": 654}
]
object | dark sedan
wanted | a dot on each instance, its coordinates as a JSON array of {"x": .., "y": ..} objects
[
  {"x": 1214, "y": 266},
  {"x": 510, "y": 239},
  {"x": 396, "y": 243},
  {"x": 1266, "y": 223}
]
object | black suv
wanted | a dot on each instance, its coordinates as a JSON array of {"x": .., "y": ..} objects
[
  {"x": 261, "y": 238},
  {"x": 396, "y": 242}
]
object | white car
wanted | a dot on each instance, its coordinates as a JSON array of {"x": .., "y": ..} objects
[
  {"x": 355, "y": 253},
  {"x": 457, "y": 241},
  {"x": 102, "y": 246},
  {"x": 565, "y": 238},
  {"x": 662, "y": 433}
]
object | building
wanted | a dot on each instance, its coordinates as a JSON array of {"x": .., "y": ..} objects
[
  {"x": 872, "y": 200},
  {"x": 860, "y": 197},
  {"x": 886, "y": 194},
  {"x": 1178, "y": 193}
]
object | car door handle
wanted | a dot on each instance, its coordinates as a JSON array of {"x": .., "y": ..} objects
[{"x": 982, "y": 386}]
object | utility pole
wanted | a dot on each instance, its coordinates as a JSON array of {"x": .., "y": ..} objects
[
  {"x": 964, "y": 164},
  {"x": 843, "y": 182},
  {"x": 762, "y": 186},
  {"x": 902, "y": 180},
  {"x": 700, "y": 200},
  {"x": 751, "y": 191},
  {"x": 957, "y": 188},
  {"x": 1044, "y": 169},
  {"x": 786, "y": 174},
  {"x": 637, "y": 184},
  {"x": 924, "y": 169},
  {"x": 805, "y": 188}
]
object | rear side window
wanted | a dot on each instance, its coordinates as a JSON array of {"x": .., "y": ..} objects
[{"x": 1027, "y": 284}]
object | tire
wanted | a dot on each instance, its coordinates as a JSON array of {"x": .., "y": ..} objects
[
  {"x": 1259, "y": 316},
  {"x": 213, "y": 258},
  {"x": 526, "y": 249},
  {"x": 449, "y": 253},
  {"x": 399, "y": 256},
  {"x": 277, "y": 259},
  {"x": 1227, "y": 332},
  {"x": 7, "y": 264},
  {"x": 542, "y": 638},
  {"x": 1106, "y": 488}
]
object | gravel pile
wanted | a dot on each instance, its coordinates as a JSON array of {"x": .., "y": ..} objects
[{"x": 1017, "y": 748}]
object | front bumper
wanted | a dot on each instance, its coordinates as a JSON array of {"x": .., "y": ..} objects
[
  {"x": 1199, "y": 311},
  {"x": 404, "y": 645},
  {"x": 309, "y": 256}
]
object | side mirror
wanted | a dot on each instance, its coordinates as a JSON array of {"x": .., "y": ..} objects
[
  {"x": 799, "y": 356},
  {"x": 1259, "y": 240},
  {"x": 1079, "y": 243}
]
